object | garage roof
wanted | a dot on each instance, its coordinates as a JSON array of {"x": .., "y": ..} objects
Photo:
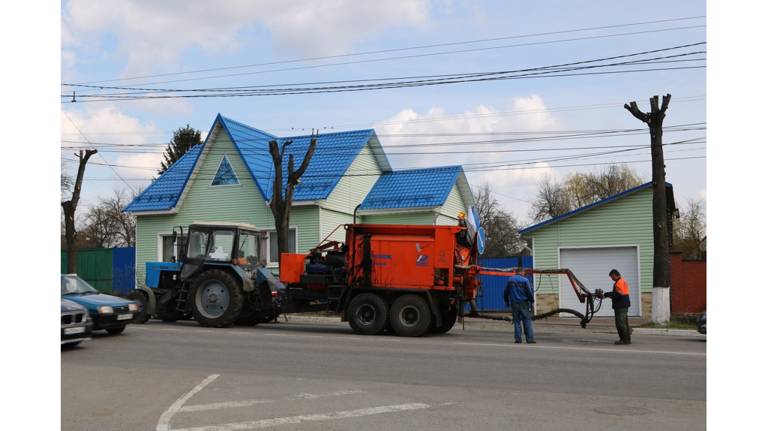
[{"x": 670, "y": 198}]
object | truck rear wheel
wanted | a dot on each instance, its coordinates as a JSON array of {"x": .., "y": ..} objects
[
  {"x": 410, "y": 316},
  {"x": 367, "y": 314},
  {"x": 449, "y": 319},
  {"x": 216, "y": 298}
]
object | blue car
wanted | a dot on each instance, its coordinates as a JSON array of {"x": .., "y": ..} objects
[{"x": 106, "y": 311}]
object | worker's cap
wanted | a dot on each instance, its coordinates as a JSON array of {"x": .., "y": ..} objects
[{"x": 462, "y": 214}]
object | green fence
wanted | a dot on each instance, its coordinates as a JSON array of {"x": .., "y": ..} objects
[{"x": 94, "y": 266}]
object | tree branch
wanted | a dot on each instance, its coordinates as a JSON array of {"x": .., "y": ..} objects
[{"x": 636, "y": 112}]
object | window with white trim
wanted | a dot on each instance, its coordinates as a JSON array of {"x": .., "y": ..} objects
[
  {"x": 272, "y": 245},
  {"x": 225, "y": 175},
  {"x": 169, "y": 251}
]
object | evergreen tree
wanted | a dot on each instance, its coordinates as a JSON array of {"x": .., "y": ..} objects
[{"x": 184, "y": 138}]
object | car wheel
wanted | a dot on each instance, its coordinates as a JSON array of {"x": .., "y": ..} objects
[{"x": 116, "y": 331}]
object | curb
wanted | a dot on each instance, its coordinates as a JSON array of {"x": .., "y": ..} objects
[{"x": 669, "y": 332}]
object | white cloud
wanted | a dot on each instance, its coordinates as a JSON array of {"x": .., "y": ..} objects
[
  {"x": 524, "y": 114},
  {"x": 152, "y": 34},
  {"x": 107, "y": 124}
]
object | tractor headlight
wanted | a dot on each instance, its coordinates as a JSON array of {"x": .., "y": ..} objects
[
  {"x": 133, "y": 307},
  {"x": 106, "y": 309}
]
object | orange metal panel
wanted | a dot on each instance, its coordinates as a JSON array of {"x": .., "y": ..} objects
[{"x": 291, "y": 267}]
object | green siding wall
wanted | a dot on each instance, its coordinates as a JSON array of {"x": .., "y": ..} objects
[
  {"x": 235, "y": 203},
  {"x": 426, "y": 217},
  {"x": 627, "y": 221},
  {"x": 449, "y": 212},
  {"x": 352, "y": 189},
  {"x": 329, "y": 220}
]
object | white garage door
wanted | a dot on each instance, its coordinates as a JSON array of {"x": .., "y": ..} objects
[{"x": 591, "y": 266}]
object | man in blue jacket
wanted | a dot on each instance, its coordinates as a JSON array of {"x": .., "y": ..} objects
[{"x": 519, "y": 296}]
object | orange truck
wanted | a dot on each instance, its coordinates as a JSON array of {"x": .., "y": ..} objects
[{"x": 410, "y": 279}]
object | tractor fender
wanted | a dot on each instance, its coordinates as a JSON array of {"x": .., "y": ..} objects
[
  {"x": 238, "y": 272},
  {"x": 151, "y": 300}
]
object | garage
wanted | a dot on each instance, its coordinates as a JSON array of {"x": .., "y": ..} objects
[{"x": 591, "y": 265}]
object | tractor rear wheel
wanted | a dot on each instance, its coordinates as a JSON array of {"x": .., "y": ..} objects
[
  {"x": 141, "y": 298},
  {"x": 410, "y": 316},
  {"x": 217, "y": 299},
  {"x": 449, "y": 319},
  {"x": 367, "y": 314}
]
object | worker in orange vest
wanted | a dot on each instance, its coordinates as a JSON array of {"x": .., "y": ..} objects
[{"x": 620, "y": 298}]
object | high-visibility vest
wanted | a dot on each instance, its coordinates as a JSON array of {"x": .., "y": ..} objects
[{"x": 622, "y": 287}]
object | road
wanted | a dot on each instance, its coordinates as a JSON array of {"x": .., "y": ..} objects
[{"x": 319, "y": 376}]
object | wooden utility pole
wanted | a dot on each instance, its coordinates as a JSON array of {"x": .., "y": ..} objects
[
  {"x": 280, "y": 204},
  {"x": 661, "y": 271},
  {"x": 70, "y": 206}
]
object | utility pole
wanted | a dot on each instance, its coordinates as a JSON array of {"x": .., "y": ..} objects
[
  {"x": 70, "y": 206},
  {"x": 661, "y": 271}
]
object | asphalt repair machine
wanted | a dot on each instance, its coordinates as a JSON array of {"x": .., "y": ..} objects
[{"x": 410, "y": 279}]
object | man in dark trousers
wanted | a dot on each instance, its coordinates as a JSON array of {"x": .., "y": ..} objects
[
  {"x": 620, "y": 298},
  {"x": 519, "y": 295}
]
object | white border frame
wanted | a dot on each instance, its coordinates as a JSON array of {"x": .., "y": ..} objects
[{"x": 639, "y": 272}]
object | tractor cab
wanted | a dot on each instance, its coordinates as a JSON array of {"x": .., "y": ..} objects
[{"x": 206, "y": 244}]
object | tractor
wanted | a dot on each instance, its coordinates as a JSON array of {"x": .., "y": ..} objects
[{"x": 218, "y": 278}]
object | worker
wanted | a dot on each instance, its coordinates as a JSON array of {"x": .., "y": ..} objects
[
  {"x": 620, "y": 298},
  {"x": 519, "y": 296}
]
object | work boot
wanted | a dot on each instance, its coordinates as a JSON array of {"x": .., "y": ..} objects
[
  {"x": 518, "y": 341},
  {"x": 620, "y": 342}
]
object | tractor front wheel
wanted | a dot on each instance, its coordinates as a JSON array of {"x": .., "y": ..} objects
[
  {"x": 217, "y": 298},
  {"x": 141, "y": 298}
]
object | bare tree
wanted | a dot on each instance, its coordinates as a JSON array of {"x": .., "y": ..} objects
[
  {"x": 501, "y": 228},
  {"x": 106, "y": 225},
  {"x": 551, "y": 201},
  {"x": 70, "y": 207},
  {"x": 281, "y": 201},
  {"x": 690, "y": 230},
  {"x": 589, "y": 187}
]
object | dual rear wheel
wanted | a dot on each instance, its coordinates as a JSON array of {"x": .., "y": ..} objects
[{"x": 408, "y": 316}]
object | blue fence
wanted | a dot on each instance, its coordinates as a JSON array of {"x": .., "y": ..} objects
[
  {"x": 491, "y": 297},
  {"x": 123, "y": 269}
]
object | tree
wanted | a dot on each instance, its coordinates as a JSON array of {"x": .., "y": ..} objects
[
  {"x": 70, "y": 206},
  {"x": 281, "y": 201},
  {"x": 501, "y": 229},
  {"x": 106, "y": 225},
  {"x": 690, "y": 230},
  {"x": 580, "y": 189},
  {"x": 183, "y": 139},
  {"x": 552, "y": 199}
]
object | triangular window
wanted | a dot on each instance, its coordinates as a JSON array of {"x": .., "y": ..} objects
[{"x": 225, "y": 175}]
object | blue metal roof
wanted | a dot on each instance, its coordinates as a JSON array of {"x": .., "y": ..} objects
[
  {"x": 165, "y": 191},
  {"x": 589, "y": 207},
  {"x": 413, "y": 188},
  {"x": 334, "y": 153}
]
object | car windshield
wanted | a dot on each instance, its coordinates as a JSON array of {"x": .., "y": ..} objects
[{"x": 71, "y": 284}]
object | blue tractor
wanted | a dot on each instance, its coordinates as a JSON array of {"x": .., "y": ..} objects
[{"x": 218, "y": 279}]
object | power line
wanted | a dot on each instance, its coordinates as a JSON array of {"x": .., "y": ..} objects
[{"x": 382, "y": 51}]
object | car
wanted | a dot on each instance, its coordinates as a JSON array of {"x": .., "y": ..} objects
[
  {"x": 76, "y": 325},
  {"x": 702, "y": 323},
  {"x": 107, "y": 312}
]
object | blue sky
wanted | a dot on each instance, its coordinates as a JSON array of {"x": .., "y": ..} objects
[{"x": 105, "y": 40}]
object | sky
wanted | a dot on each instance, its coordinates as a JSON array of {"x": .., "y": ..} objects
[{"x": 130, "y": 43}]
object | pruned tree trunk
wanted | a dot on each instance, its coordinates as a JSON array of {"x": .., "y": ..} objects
[
  {"x": 70, "y": 207},
  {"x": 282, "y": 199},
  {"x": 661, "y": 233}
]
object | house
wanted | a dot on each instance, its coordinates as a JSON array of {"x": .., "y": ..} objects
[
  {"x": 228, "y": 178},
  {"x": 615, "y": 232}
]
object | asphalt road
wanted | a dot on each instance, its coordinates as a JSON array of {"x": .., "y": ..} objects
[{"x": 319, "y": 376}]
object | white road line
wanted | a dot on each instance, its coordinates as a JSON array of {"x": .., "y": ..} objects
[
  {"x": 246, "y": 403},
  {"x": 292, "y": 420},
  {"x": 164, "y": 424},
  {"x": 587, "y": 349}
]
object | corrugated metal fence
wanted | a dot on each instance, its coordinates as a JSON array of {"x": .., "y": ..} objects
[
  {"x": 491, "y": 296},
  {"x": 110, "y": 270}
]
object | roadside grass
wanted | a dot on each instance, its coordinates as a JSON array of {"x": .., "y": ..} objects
[{"x": 677, "y": 322}]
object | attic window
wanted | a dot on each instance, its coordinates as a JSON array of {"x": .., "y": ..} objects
[{"x": 225, "y": 175}]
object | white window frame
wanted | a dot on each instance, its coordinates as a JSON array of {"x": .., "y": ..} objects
[
  {"x": 160, "y": 249},
  {"x": 268, "y": 251},
  {"x": 226, "y": 157}
]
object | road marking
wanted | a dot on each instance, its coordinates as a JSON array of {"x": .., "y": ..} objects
[
  {"x": 292, "y": 420},
  {"x": 164, "y": 424},
  {"x": 246, "y": 403},
  {"x": 586, "y": 349}
]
